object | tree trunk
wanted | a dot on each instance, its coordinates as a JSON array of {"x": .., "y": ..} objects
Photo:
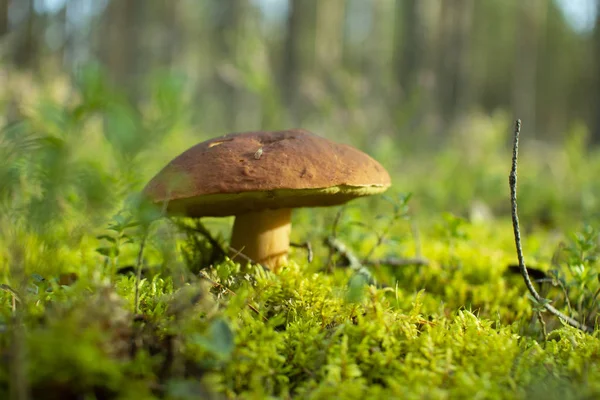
[
  {"x": 530, "y": 20},
  {"x": 121, "y": 51},
  {"x": 380, "y": 54},
  {"x": 171, "y": 28},
  {"x": 412, "y": 62},
  {"x": 3, "y": 17},
  {"x": 299, "y": 55},
  {"x": 329, "y": 34},
  {"x": 27, "y": 46},
  {"x": 410, "y": 43},
  {"x": 596, "y": 67},
  {"x": 454, "y": 61},
  {"x": 234, "y": 18}
]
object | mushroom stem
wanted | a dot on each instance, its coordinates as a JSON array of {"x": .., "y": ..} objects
[{"x": 264, "y": 236}]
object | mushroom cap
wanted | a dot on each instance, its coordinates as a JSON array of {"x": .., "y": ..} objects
[{"x": 252, "y": 171}]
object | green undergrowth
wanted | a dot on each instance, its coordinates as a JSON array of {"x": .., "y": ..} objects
[
  {"x": 102, "y": 299},
  {"x": 458, "y": 327}
]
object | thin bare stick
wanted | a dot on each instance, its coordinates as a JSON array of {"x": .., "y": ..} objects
[
  {"x": 337, "y": 246},
  {"x": 512, "y": 181},
  {"x": 138, "y": 273},
  {"x": 543, "y": 324},
  {"x": 306, "y": 245},
  {"x": 13, "y": 293},
  {"x": 238, "y": 252},
  {"x": 381, "y": 237},
  {"x": 18, "y": 383},
  {"x": 398, "y": 262},
  {"x": 201, "y": 229},
  {"x": 414, "y": 229},
  {"x": 336, "y": 221}
]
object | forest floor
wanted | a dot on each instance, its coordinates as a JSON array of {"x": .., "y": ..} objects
[{"x": 96, "y": 305}]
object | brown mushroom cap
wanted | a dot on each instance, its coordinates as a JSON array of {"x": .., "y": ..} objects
[{"x": 252, "y": 171}]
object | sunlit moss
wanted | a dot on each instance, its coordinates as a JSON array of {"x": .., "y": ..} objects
[{"x": 459, "y": 326}]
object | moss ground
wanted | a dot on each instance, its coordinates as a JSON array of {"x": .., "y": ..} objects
[{"x": 75, "y": 321}]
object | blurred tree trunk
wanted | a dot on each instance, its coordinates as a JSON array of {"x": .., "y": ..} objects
[
  {"x": 381, "y": 43},
  {"x": 329, "y": 34},
  {"x": 299, "y": 53},
  {"x": 3, "y": 17},
  {"x": 410, "y": 39},
  {"x": 121, "y": 49},
  {"x": 530, "y": 21},
  {"x": 27, "y": 46},
  {"x": 379, "y": 64},
  {"x": 62, "y": 53},
  {"x": 413, "y": 63},
  {"x": 596, "y": 68},
  {"x": 11, "y": 108},
  {"x": 232, "y": 20},
  {"x": 329, "y": 46},
  {"x": 454, "y": 62},
  {"x": 162, "y": 31},
  {"x": 229, "y": 15},
  {"x": 168, "y": 17}
]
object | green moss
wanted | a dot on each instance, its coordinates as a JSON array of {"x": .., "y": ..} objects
[{"x": 459, "y": 327}]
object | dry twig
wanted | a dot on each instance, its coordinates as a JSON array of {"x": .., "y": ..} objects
[
  {"x": 336, "y": 221},
  {"x": 512, "y": 180},
  {"x": 398, "y": 262},
  {"x": 138, "y": 273},
  {"x": 306, "y": 245},
  {"x": 337, "y": 246}
]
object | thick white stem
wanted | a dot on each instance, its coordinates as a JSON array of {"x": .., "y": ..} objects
[{"x": 264, "y": 236}]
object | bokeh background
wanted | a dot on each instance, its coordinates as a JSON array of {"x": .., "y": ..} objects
[
  {"x": 429, "y": 87},
  {"x": 97, "y": 95},
  {"x": 410, "y": 67}
]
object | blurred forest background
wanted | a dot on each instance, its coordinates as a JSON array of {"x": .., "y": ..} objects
[
  {"x": 97, "y": 95},
  {"x": 410, "y": 67}
]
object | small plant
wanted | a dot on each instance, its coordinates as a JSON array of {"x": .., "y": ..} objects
[
  {"x": 178, "y": 319},
  {"x": 400, "y": 211},
  {"x": 583, "y": 241},
  {"x": 118, "y": 235},
  {"x": 577, "y": 272}
]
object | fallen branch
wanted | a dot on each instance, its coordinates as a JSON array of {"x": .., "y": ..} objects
[
  {"x": 238, "y": 253},
  {"x": 14, "y": 295},
  {"x": 512, "y": 181},
  {"x": 337, "y": 246},
  {"x": 336, "y": 221},
  {"x": 306, "y": 245},
  {"x": 138, "y": 273},
  {"x": 398, "y": 262}
]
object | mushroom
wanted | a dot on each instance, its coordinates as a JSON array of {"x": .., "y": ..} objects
[{"x": 259, "y": 177}]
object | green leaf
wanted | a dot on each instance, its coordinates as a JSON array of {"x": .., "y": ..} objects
[
  {"x": 108, "y": 251},
  {"x": 37, "y": 277},
  {"x": 131, "y": 224},
  {"x": 222, "y": 337},
  {"x": 356, "y": 288},
  {"x": 219, "y": 341},
  {"x": 106, "y": 237}
]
